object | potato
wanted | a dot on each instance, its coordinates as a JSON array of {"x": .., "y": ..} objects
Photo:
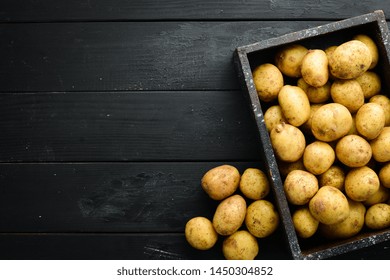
[
  {"x": 261, "y": 218},
  {"x": 221, "y": 181},
  {"x": 304, "y": 223},
  {"x": 273, "y": 116},
  {"x": 288, "y": 142},
  {"x": 333, "y": 177},
  {"x": 350, "y": 60},
  {"x": 295, "y": 104},
  {"x": 384, "y": 175},
  {"x": 371, "y": 46},
  {"x": 378, "y": 216},
  {"x": 300, "y": 186},
  {"x": 329, "y": 205},
  {"x": 331, "y": 122},
  {"x": 315, "y": 68},
  {"x": 361, "y": 183},
  {"x": 370, "y": 120},
  {"x": 384, "y": 101},
  {"x": 200, "y": 233},
  {"x": 329, "y": 51},
  {"x": 381, "y": 146},
  {"x": 268, "y": 81},
  {"x": 319, "y": 94},
  {"x": 348, "y": 93},
  {"x": 381, "y": 196},
  {"x": 229, "y": 215},
  {"x": 353, "y": 151},
  {"x": 370, "y": 83},
  {"x": 303, "y": 85},
  {"x": 353, "y": 129},
  {"x": 254, "y": 184},
  {"x": 306, "y": 127},
  {"x": 287, "y": 167},
  {"x": 289, "y": 60},
  {"x": 351, "y": 226},
  {"x": 318, "y": 157},
  {"x": 241, "y": 245}
]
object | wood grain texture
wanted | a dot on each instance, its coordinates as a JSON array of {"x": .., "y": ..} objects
[
  {"x": 92, "y": 10},
  {"x": 127, "y": 126}
]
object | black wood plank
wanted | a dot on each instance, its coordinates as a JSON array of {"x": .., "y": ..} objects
[
  {"x": 87, "y": 10},
  {"x": 105, "y": 197},
  {"x": 127, "y": 126},
  {"x": 108, "y": 56}
]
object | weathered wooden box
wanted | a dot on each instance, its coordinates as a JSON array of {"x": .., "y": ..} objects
[{"x": 246, "y": 58}]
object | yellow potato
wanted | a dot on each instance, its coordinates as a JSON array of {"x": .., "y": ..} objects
[
  {"x": 329, "y": 205},
  {"x": 288, "y": 142},
  {"x": 319, "y": 94},
  {"x": 304, "y": 223},
  {"x": 384, "y": 101},
  {"x": 302, "y": 84},
  {"x": 241, "y": 245},
  {"x": 378, "y": 216},
  {"x": 350, "y": 60},
  {"x": 200, "y": 233},
  {"x": 318, "y": 157},
  {"x": 370, "y": 120},
  {"x": 295, "y": 104},
  {"x": 221, "y": 181},
  {"x": 351, "y": 226},
  {"x": 370, "y": 83},
  {"x": 286, "y": 167},
  {"x": 381, "y": 196},
  {"x": 315, "y": 68},
  {"x": 348, "y": 93},
  {"x": 384, "y": 175},
  {"x": 254, "y": 184},
  {"x": 381, "y": 146},
  {"x": 306, "y": 127},
  {"x": 331, "y": 122},
  {"x": 353, "y": 151},
  {"x": 333, "y": 177},
  {"x": 262, "y": 218},
  {"x": 229, "y": 215},
  {"x": 268, "y": 81},
  {"x": 273, "y": 116},
  {"x": 371, "y": 46},
  {"x": 300, "y": 186},
  {"x": 361, "y": 183},
  {"x": 289, "y": 60}
]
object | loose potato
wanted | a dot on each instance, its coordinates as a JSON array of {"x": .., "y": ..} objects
[
  {"x": 315, "y": 68},
  {"x": 254, "y": 184},
  {"x": 241, "y": 245},
  {"x": 378, "y": 216},
  {"x": 361, "y": 183},
  {"x": 229, "y": 215},
  {"x": 295, "y": 104},
  {"x": 318, "y": 157},
  {"x": 381, "y": 146},
  {"x": 353, "y": 151},
  {"x": 351, "y": 226},
  {"x": 371, "y": 46},
  {"x": 331, "y": 122},
  {"x": 273, "y": 116},
  {"x": 370, "y": 83},
  {"x": 261, "y": 218},
  {"x": 333, "y": 177},
  {"x": 384, "y": 175},
  {"x": 200, "y": 233},
  {"x": 319, "y": 94},
  {"x": 348, "y": 93},
  {"x": 288, "y": 142},
  {"x": 304, "y": 223},
  {"x": 329, "y": 205},
  {"x": 268, "y": 81},
  {"x": 370, "y": 120},
  {"x": 350, "y": 60},
  {"x": 300, "y": 186},
  {"x": 221, "y": 181},
  {"x": 384, "y": 101},
  {"x": 381, "y": 196},
  {"x": 289, "y": 60}
]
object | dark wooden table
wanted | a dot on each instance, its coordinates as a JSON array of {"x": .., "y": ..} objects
[{"x": 111, "y": 112}]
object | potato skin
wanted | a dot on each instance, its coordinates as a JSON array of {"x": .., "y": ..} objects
[
  {"x": 229, "y": 215},
  {"x": 384, "y": 175},
  {"x": 353, "y": 151},
  {"x": 333, "y": 177},
  {"x": 241, "y": 245},
  {"x": 318, "y": 157},
  {"x": 371, "y": 46},
  {"x": 289, "y": 60},
  {"x": 381, "y": 146},
  {"x": 221, "y": 181},
  {"x": 300, "y": 186},
  {"x": 261, "y": 218},
  {"x": 380, "y": 196},
  {"x": 304, "y": 223},
  {"x": 361, "y": 183},
  {"x": 370, "y": 83},
  {"x": 320, "y": 94},
  {"x": 200, "y": 233},
  {"x": 370, "y": 120},
  {"x": 268, "y": 81},
  {"x": 254, "y": 184},
  {"x": 384, "y": 101},
  {"x": 315, "y": 68},
  {"x": 273, "y": 116},
  {"x": 348, "y": 93},
  {"x": 350, "y": 60},
  {"x": 378, "y": 216},
  {"x": 295, "y": 104}
]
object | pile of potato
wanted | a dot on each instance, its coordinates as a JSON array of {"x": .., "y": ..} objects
[
  {"x": 239, "y": 223},
  {"x": 330, "y": 131}
]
